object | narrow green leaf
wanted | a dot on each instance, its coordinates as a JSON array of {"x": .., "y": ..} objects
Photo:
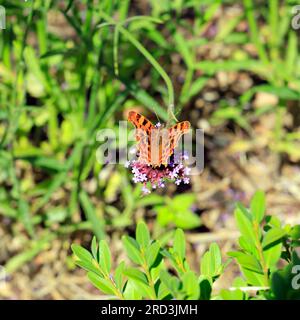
[
  {"x": 94, "y": 248},
  {"x": 132, "y": 249},
  {"x": 136, "y": 275},
  {"x": 244, "y": 225},
  {"x": 272, "y": 255},
  {"x": 179, "y": 244},
  {"x": 90, "y": 212},
  {"x": 105, "y": 257},
  {"x": 100, "y": 283},
  {"x": 191, "y": 285},
  {"x": 247, "y": 261},
  {"x": 88, "y": 266},
  {"x": 81, "y": 253},
  {"x": 258, "y": 206},
  {"x": 152, "y": 253},
  {"x": 211, "y": 261},
  {"x": 273, "y": 235},
  {"x": 142, "y": 235},
  {"x": 119, "y": 275}
]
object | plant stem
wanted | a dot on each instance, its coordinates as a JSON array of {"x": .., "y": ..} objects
[
  {"x": 260, "y": 252},
  {"x": 152, "y": 61}
]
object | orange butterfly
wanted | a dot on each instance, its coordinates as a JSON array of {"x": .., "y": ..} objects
[{"x": 156, "y": 144}]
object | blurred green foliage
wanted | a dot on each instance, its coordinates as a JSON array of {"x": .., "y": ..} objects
[
  {"x": 70, "y": 68},
  {"x": 261, "y": 246}
]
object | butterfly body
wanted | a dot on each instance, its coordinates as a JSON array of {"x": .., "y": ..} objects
[{"x": 156, "y": 144}]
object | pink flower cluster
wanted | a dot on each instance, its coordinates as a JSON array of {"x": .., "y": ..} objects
[{"x": 156, "y": 177}]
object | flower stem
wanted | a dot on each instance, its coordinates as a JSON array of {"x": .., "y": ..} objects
[{"x": 152, "y": 61}]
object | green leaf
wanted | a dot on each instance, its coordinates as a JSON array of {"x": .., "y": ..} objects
[
  {"x": 105, "y": 257},
  {"x": 244, "y": 225},
  {"x": 246, "y": 245},
  {"x": 90, "y": 212},
  {"x": 119, "y": 275},
  {"x": 100, "y": 283},
  {"x": 273, "y": 235},
  {"x": 179, "y": 244},
  {"x": 258, "y": 206},
  {"x": 253, "y": 278},
  {"x": 88, "y": 266},
  {"x": 247, "y": 261},
  {"x": 205, "y": 288},
  {"x": 81, "y": 253},
  {"x": 162, "y": 291},
  {"x": 191, "y": 285},
  {"x": 186, "y": 219},
  {"x": 295, "y": 232},
  {"x": 152, "y": 253},
  {"x": 94, "y": 248},
  {"x": 136, "y": 274},
  {"x": 272, "y": 255},
  {"x": 142, "y": 235},
  {"x": 232, "y": 295},
  {"x": 140, "y": 282},
  {"x": 171, "y": 282},
  {"x": 211, "y": 261},
  {"x": 182, "y": 202},
  {"x": 132, "y": 249}
]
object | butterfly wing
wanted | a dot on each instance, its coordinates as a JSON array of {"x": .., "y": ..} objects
[
  {"x": 142, "y": 134},
  {"x": 175, "y": 133}
]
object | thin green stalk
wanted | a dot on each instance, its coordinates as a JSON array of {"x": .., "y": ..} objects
[
  {"x": 151, "y": 60},
  {"x": 273, "y": 21},
  {"x": 254, "y": 31}
]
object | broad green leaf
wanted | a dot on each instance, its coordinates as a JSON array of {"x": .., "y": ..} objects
[
  {"x": 136, "y": 274},
  {"x": 81, "y": 253},
  {"x": 247, "y": 261},
  {"x": 191, "y": 285},
  {"x": 273, "y": 221},
  {"x": 246, "y": 245},
  {"x": 88, "y": 266},
  {"x": 100, "y": 283},
  {"x": 273, "y": 235},
  {"x": 131, "y": 291},
  {"x": 142, "y": 235},
  {"x": 186, "y": 219},
  {"x": 119, "y": 275},
  {"x": 211, "y": 261},
  {"x": 105, "y": 257},
  {"x": 236, "y": 294},
  {"x": 152, "y": 253},
  {"x": 179, "y": 244},
  {"x": 244, "y": 225},
  {"x": 205, "y": 285},
  {"x": 162, "y": 291},
  {"x": 295, "y": 232},
  {"x": 182, "y": 201},
  {"x": 258, "y": 206},
  {"x": 272, "y": 255},
  {"x": 140, "y": 282},
  {"x": 253, "y": 278},
  {"x": 132, "y": 249},
  {"x": 171, "y": 282}
]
